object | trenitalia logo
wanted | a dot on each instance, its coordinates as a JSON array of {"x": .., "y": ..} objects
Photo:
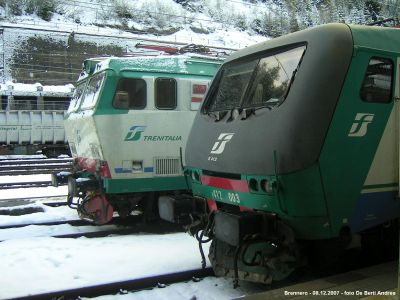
[
  {"x": 135, "y": 133},
  {"x": 360, "y": 125},
  {"x": 219, "y": 145}
]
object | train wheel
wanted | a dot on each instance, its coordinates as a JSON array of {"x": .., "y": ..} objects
[{"x": 257, "y": 260}]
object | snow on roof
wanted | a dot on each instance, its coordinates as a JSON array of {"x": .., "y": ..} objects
[{"x": 35, "y": 89}]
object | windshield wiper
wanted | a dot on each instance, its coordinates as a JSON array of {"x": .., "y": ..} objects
[
  {"x": 217, "y": 115},
  {"x": 290, "y": 83},
  {"x": 247, "y": 112}
]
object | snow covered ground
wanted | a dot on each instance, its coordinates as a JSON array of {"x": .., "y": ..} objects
[{"x": 32, "y": 263}]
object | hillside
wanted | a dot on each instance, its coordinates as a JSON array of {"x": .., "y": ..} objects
[
  {"x": 47, "y": 40},
  {"x": 165, "y": 17}
]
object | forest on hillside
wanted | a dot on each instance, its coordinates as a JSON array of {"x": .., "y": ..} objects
[{"x": 267, "y": 17}]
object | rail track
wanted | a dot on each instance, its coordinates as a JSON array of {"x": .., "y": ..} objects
[
  {"x": 118, "y": 226},
  {"x": 28, "y": 184},
  {"x": 88, "y": 232},
  {"x": 54, "y": 200},
  {"x": 123, "y": 287},
  {"x": 133, "y": 220},
  {"x": 28, "y": 166}
]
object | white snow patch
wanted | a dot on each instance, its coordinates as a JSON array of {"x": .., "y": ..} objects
[{"x": 50, "y": 264}]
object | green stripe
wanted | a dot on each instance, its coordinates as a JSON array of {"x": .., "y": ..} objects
[{"x": 117, "y": 186}]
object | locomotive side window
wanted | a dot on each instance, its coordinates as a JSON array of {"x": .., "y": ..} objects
[
  {"x": 165, "y": 93},
  {"x": 378, "y": 81},
  {"x": 130, "y": 94},
  {"x": 262, "y": 82},
  {"x": 92, "y": 91}
]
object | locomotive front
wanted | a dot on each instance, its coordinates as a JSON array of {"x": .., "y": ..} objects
[
  {"x": 258, "y": 150},
  {"x": 127, "y": 126}
]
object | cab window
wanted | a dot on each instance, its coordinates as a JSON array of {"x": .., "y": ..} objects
[
  {"x": 76, "y": 98},
  {"x": 92, "y": 91},
  {"x": 378, "y": 81},
  {"x": 165, "y": 93},
  {"x": 130, "y": 94}
]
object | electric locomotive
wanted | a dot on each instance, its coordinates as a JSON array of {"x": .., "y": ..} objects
[
  {"x": 127, "y": 126},
  {"x": 296, "y": 147}
]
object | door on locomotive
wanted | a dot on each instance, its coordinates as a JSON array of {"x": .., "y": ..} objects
[
  {"x": 127, "y": 127},
  {"x": 299, "y": 152}
]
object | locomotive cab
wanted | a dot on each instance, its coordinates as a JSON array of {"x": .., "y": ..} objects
[
  {"x": 127, "y": 127},
  {"x": 299, "y": 147}
]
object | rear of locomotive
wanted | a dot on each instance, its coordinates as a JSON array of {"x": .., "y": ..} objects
[
  {"x": 128, "y": 132},
  {"x": 298, "y": 150}
]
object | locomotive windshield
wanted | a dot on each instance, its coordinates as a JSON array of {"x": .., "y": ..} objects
[
  {"x": 261, "y": 82},
  {"x": 92, "y": 91},
  {"x": 76, "y": 98}
]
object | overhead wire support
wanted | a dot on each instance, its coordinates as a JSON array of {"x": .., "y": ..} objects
[{"x": 2, "y": 54}]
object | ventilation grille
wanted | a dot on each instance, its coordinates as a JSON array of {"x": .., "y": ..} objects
[{"x": 167, "y": 166}]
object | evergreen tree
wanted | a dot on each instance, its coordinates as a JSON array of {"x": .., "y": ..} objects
[{"x": 372, "y": 10}]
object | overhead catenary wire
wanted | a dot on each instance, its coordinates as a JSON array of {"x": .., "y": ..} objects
[{"x": 127, "y": 37}]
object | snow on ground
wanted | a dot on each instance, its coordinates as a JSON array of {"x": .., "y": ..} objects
[
  {"x": 44, "y": 213},
  {"x": 210, "y": 288},
  {"x": 45, "y": 264},
  {"x": 25, "y": 178},
  {"x": 25, "y": 192},
  {"x": 48, "y": 214},
  {"x": 39, "y": 230}
]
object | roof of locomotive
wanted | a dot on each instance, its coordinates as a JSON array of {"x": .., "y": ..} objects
[
  {"x": 365, "y": 36},
  {"x": 179, "y": 64},
  {"x": 376, "y": 37}
]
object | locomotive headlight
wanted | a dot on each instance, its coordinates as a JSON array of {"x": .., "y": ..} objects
[
  {"x": 195, "y": 176},
  {"x": 137, "y": 166},
  {"x": 253, "y": 184},
  {"x": 268, "y": 186}
]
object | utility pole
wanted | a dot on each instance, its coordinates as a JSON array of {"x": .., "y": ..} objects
[{"x": 2, "y": 57}]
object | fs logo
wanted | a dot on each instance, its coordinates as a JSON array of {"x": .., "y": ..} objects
[
  {"x": 219, "y": 145},
  {"x": 359, "y": 127},
  {"x": 135, "y": 133}
]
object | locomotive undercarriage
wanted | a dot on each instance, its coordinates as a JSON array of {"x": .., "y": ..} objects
[
  {"x": 86, "y": 195},
  {"x": 257, "y": 255},
  {"x": 272, "y": 253},
  {"x": 250, "y": 246},
  {"x": 260, "y": 247}
]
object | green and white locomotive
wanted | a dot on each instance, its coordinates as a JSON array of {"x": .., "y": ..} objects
[
  {"x": 296, "y": 151},
  {"x": 127, "y": 126}
]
